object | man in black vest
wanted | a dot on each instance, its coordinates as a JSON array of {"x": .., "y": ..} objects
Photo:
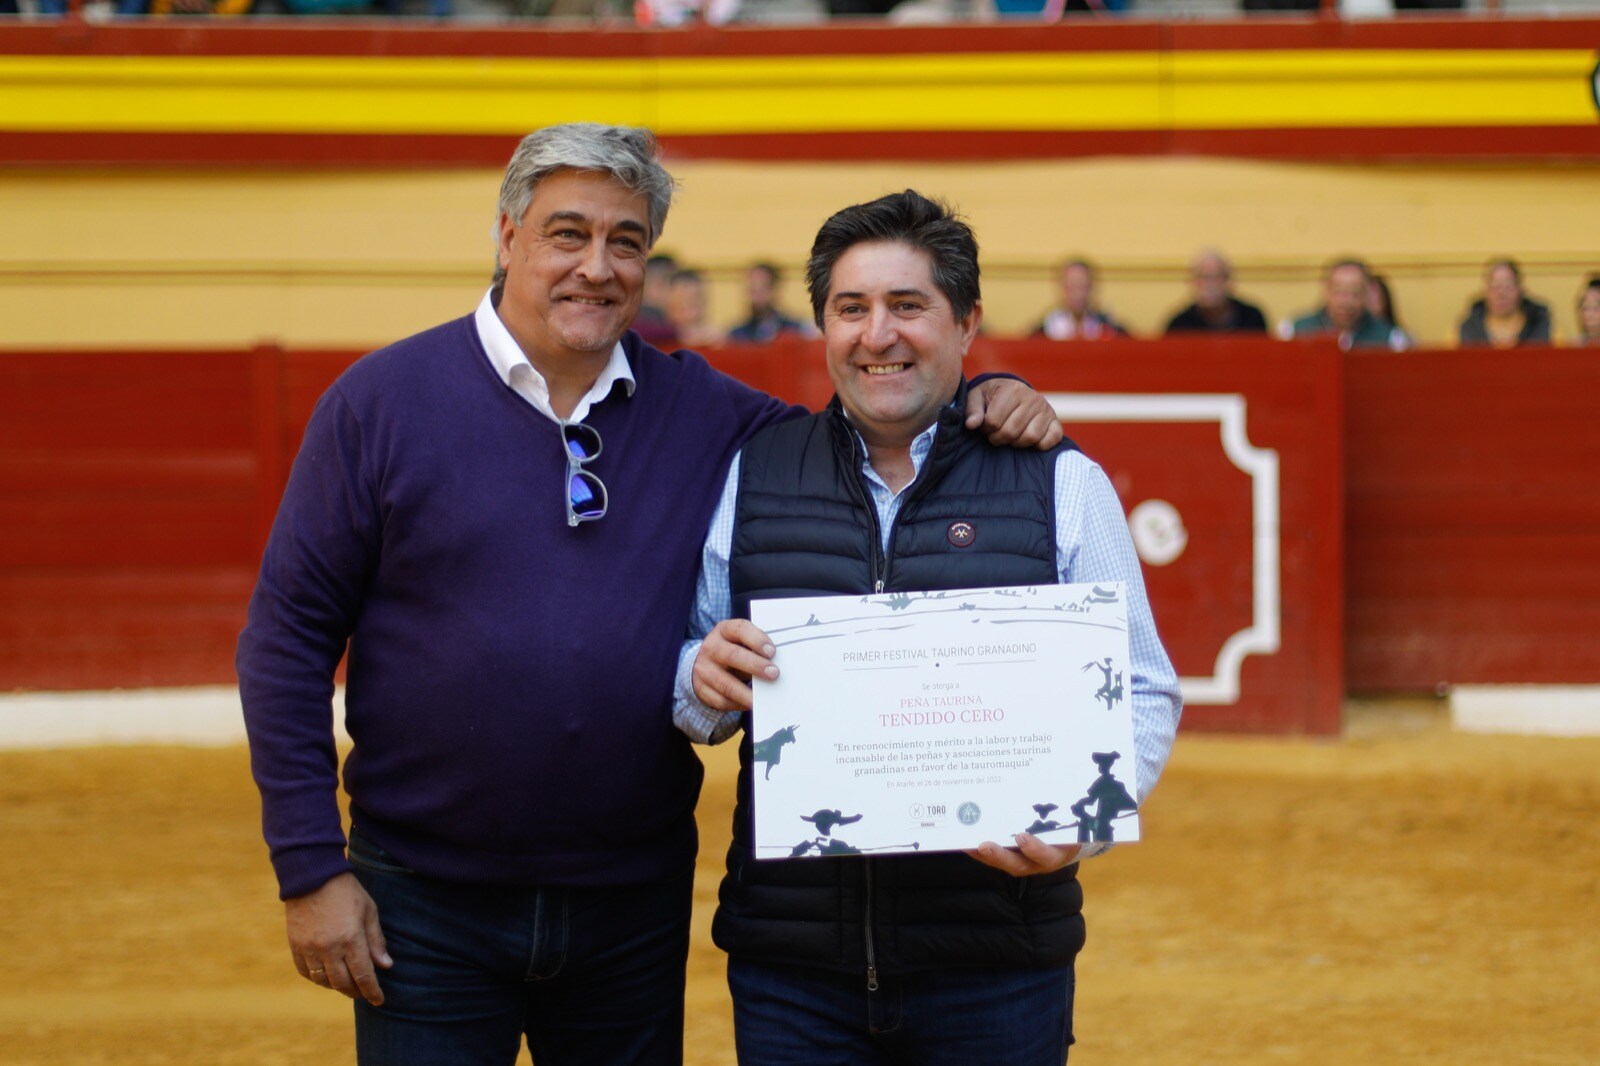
[{"x": 930, "y": 958}]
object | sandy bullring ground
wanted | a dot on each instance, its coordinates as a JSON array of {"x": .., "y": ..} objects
[{"x": 1403, "y": 895}]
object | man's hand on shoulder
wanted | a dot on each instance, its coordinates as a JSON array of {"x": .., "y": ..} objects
[
  {"x": 1013, "y": 415},
  {"x": 732, "y": 653},
  {"x": 1031, "y": 856},
  {"x": 335, "y": 938}
]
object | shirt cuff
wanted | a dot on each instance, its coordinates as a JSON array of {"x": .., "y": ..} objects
[
  {"x": 697, "y": 721},
  {"x": 1093, "y": 849}
]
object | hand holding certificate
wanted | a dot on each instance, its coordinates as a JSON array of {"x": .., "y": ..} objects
[{"x": 940, "y": 720}]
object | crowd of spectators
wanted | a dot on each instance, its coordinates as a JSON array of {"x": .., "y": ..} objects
[{"x": 1357, "y": 306}]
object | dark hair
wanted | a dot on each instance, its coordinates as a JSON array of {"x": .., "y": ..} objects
[
  {"x": 1389, "y": 313},
  {"x": 1507, "y": 262},
  {"x": 908, "y": 218},
  {"x": 770, "y": 269},
  {"x": 1347, "y": 261},
  {"x": 1592, "y": 285},
  {"x": 687, "y": 274}
]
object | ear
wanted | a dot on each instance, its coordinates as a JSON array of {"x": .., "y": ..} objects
[
  {"x": 505, "y": 233},
  {"x": 969, "y": 327}
]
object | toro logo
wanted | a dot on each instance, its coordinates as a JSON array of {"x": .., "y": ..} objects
[{"x": 961, "y": 534}]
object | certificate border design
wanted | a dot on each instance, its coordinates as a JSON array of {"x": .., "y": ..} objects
[{"x": 1263, "y": 635}]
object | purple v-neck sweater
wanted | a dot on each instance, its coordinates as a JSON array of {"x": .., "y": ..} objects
[{"x": 510, "y": 677}]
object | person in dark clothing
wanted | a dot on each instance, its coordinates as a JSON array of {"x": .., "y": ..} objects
[
  {"x": 484, "y": 513},
  {"x": 932, "y": 958},
  {"x": 1505, "y": 316},
  {"x": 766, "y": 321},
  {"x": 1215, "y": 309},
  {"x": 651, "y": 323}
]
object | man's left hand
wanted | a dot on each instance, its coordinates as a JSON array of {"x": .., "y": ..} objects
[
  {"x": 1031, "y": 856},
  {"x": 1013, "y": 415}
]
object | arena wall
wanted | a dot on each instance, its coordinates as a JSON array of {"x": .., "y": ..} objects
[{"x": 206, "y": 222}]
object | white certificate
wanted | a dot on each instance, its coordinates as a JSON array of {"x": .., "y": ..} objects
[{"x": 939, "y": 720}]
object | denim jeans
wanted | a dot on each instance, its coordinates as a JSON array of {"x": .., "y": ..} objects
[
  {"x": 589, "y": 975},
  {"x": 799, "y": 1016}
]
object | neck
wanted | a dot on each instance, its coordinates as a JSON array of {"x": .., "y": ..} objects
[
  {"x": 569, "y": 375},
  {"x": 893, "y": 464}
]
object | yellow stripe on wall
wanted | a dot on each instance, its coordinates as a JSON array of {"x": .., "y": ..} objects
[{"x": 806, "y": 94}]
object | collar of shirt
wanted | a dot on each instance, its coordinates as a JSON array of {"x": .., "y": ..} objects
[
  {"x": 521, "y": 378},
  {"x": 921, "y": 445}
]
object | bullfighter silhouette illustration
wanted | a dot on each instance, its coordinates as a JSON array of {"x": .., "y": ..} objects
[
  {"x": 1109, "y": 798},
  {"x": 825, "y": 821},
  {"x": 1110, "y": 691}
]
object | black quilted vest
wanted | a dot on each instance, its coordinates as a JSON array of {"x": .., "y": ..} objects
[{"x": 805, "y": 526}]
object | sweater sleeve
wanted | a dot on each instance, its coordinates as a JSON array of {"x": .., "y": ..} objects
[
  {"x": 321, "y": 550},
  {"x": 754, "y": 410}
]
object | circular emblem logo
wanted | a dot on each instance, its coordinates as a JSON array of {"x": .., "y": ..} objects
[
  {"x": 918, "y": 810},
  {"x": 1158, "y": 532},
  {"x": 969, "y": 813},
  {"x": 961, "y": 534}
]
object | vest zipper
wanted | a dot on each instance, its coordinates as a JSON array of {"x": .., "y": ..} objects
[
  {"x": 880, "y": 564},
  {"x": 872, "y": 956}
]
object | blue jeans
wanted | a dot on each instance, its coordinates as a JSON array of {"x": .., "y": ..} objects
[
  {"x": 590, "y": 975},
  {"x": 796, "y": 1015}
]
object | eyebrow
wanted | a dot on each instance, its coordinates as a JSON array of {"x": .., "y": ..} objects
[
  {"x": 629, "y": 224},
  {"x": 919, "y": 293}
]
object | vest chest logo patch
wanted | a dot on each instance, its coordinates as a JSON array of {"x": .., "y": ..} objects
[{"x": 961, "y": 534}]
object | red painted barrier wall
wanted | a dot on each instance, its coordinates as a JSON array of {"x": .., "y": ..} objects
[
  {"x": 1447, "y": 504},
  {"x": 1473, "y": 518}
]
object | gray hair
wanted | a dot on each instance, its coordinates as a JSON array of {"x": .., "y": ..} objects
[{"x": 631, "y": 156}]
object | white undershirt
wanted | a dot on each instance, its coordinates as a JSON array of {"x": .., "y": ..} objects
[{"x": 521, "y": 378}]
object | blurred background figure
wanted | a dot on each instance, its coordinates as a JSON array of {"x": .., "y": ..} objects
[
  {"x": 1215, "y": 309},
  {"x": 1589, "y": 315},
  {"x": 652, "y": 323},
  {"x": 1505, "y": 316},
  {"x": 1344, "y": 312},
  {"x": 1078, "y": 316},
  {"x": 688, "y": 309},
  {"x": 766, "y": 321},
  {"x": 1380, "y": 304}
]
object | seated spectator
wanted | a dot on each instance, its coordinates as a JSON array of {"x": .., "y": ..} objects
[
  {"x": 1380, "y": 301},
  {"x": 652, "y": 323},
  {"x": 1077, "y": 317},
  {"x": 1344, "y": 312},
  {"x": 1215, "y": 309},
  {"x": 688, "y": 309},
  {"x": 1589, "y": 315},
  {"x": 766, "y": 321},
  {"x": 1504, "y": 316}
]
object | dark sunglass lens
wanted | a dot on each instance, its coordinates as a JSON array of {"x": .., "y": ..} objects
[
  {"x": 587, "y": 495},
  {"x": 582, "y": 441}
]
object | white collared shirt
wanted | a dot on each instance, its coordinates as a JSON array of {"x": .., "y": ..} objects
[{"x": 521, "y": 378}]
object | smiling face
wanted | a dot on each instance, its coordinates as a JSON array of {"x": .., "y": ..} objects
[
  {"x": 894, "y": 345},
  {"x": 574, "y": 268}
]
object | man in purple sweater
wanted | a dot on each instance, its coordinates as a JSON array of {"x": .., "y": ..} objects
[{"x": 501, "y": 517}]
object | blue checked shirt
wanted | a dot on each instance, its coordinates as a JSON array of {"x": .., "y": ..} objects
[{"x": 1092, "y": 544}]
